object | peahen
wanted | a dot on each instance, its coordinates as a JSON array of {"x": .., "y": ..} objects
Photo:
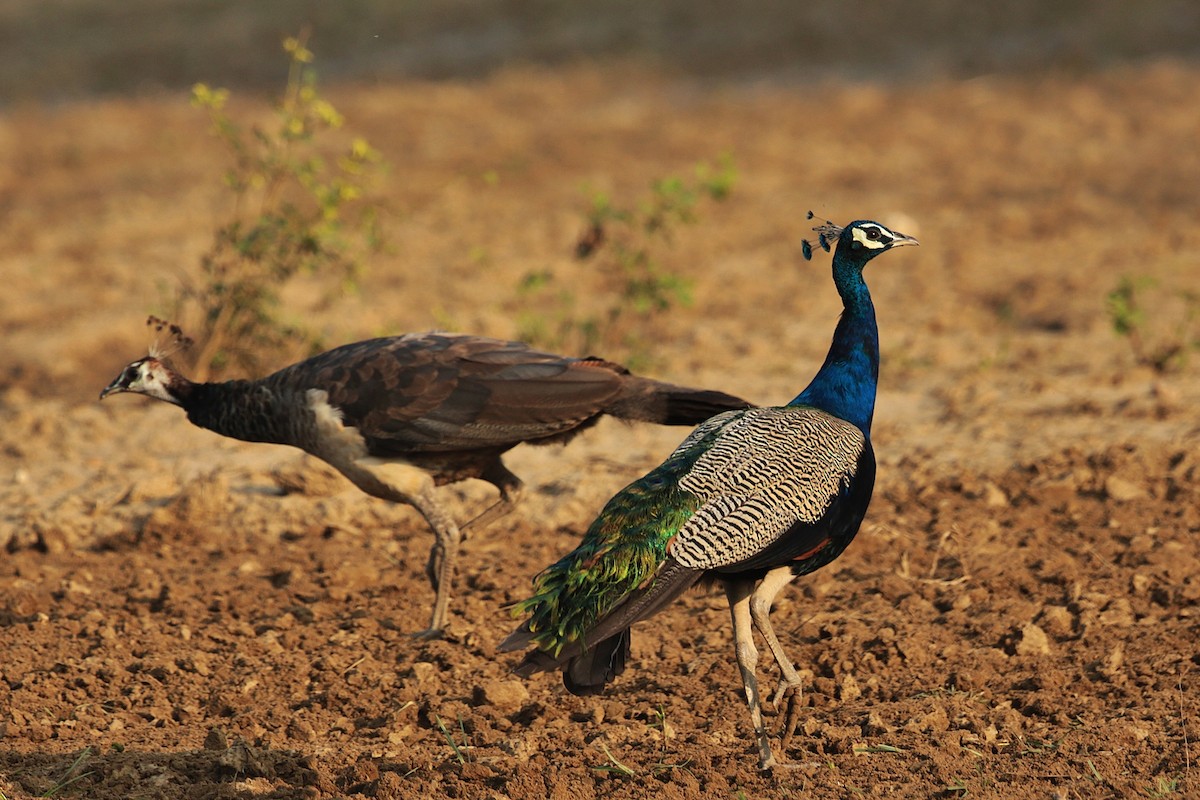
[
  {"x": 752, "y": 498},
  {"x": 401, "y": 415}
]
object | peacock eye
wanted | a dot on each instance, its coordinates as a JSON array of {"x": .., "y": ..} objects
[{"x": 873, "y": 233}]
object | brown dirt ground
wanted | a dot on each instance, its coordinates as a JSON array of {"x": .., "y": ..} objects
[{"x": 187, "y": 616}]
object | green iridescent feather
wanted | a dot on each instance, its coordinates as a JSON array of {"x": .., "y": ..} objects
[{"x": 621, "y": 551}]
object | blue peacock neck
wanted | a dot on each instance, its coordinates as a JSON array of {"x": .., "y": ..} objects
[{"x": 845, "y": 385}]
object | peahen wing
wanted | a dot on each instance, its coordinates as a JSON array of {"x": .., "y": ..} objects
[{"x": 445, "y": 392}]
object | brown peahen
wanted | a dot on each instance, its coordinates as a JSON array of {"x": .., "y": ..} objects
[{"x": 403, "y": 414}]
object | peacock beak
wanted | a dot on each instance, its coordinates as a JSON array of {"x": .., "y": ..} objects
[{"x": 902, "y": 240}]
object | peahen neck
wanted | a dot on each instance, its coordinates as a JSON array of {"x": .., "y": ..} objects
[
  {"x": 845, "y": 385},
  {"x": 248, "y": 410}
]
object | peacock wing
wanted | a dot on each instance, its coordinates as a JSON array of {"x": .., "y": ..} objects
[
  {"x": 769, "y": 486},
  {"x": 514, "y": 395},
  {"x": 747, "y": 490}
]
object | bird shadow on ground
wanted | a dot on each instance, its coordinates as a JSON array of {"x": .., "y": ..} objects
[{"x": 228, "y": 770}]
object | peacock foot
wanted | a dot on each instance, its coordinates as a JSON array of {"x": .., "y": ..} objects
[{"x": 792, "y": 693}]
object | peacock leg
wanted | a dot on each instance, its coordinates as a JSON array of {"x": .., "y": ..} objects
[
  {"x": 738, "y": 593},
  {"x": 789, "y": 683}
]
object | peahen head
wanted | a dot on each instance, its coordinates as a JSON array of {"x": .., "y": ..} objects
[
  {"x": 858, "y": 242},
  {"x": 148, "y": 376},
  {"x": 153, "y": 375}
]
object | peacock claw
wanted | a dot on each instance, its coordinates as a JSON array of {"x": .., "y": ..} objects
[
  {"x": 787, "y": 689},
  {"x": 792, "y": 693},
  {"x": 428, "y": 635},
  {"x": 790, "y": 723}
]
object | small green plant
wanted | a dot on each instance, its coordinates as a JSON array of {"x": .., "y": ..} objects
[
  {"x": 1162, "y": 788},
  {"x": 1036, "y": 747},
  {"x": 293, "y": 212},
  {"x": 627, "y": 285},
  {"x": 613, "y": 765},
  {"x": 69, "y": 777},
  {"x": 1169, "y": 349},
  {"x": 458, "y": 748},
  {"x": 658, "y": 720},
  {"x": 662, "y": 765}
]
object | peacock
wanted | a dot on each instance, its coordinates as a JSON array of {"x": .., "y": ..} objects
[
  {"x": 400, "y": 415},
  {"x": 752, "y": 499}
]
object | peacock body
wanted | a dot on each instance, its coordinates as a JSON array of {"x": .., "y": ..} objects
[{"x": 752, "y": 498}]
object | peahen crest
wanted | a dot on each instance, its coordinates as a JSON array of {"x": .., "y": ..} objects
[{"x": 168, "y": 338}]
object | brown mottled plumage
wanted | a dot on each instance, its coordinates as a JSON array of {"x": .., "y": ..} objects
[{"x": 400, "y": 415}]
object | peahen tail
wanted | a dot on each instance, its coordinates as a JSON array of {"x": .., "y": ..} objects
[
  {"x": 646, "y": 400},
  {"x": 685, "y": 406}
]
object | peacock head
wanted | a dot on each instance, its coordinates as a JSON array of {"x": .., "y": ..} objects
[
  {"x": 153, "y": 375},
  {"x": 864, "y": 239}
]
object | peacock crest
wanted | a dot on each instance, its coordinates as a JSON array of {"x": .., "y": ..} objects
[{"x": 827, "y": 234}]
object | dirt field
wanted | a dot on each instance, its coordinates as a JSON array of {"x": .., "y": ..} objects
[{"x": 186, "y": 616}]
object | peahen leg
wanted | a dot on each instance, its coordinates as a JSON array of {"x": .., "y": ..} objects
[
  {"x": 442, "y": 556},
  {"x": 789, "y": 683},
  {"x": 400, "y": 482},
  {"x": 738, "y": 594},
  {"x": 510, "y": 487}
]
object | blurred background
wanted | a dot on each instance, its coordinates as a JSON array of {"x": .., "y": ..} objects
[
  {"x": 491, "y": 134},
  {"x": 69, "y": 49}
]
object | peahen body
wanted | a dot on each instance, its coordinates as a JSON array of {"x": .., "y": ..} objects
[
  {"x": 752, "y": 498},
  {"x": 401, "y": 415}
]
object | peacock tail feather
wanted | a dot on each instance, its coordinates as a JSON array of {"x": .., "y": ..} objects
[{"x": 621, "y": 551}]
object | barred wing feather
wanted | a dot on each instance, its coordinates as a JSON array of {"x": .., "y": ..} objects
[{"x": 771, "y": 471}]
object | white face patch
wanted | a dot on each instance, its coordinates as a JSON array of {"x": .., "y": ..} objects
[
  {"x": 152, "y": 380},
  {"x": 883, "y": 237}
]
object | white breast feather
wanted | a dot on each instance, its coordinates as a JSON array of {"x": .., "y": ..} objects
[{"x": 337, "y": 443}]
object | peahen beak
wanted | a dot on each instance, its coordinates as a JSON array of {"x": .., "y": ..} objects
[
  {"x": 112, "y": 388},
  {"x": 119, "y": 384}
]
